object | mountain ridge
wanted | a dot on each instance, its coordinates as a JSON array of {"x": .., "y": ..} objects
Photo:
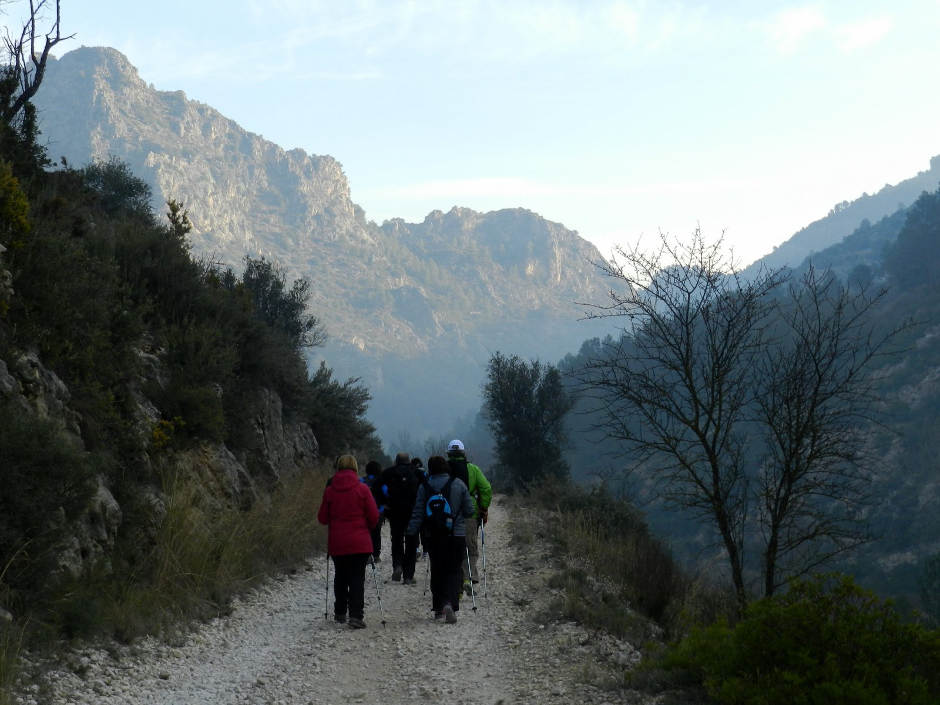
[
  {"x": 445, "y": 292},
  {"x": 845, "y": 217}
]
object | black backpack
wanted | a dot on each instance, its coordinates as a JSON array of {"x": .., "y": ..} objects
[
  {"x": 458, "y": 469},
  {"x": 438, "y": 514},
  {"x": 402, "y": 487}
]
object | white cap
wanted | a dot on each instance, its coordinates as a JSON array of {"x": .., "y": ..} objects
[{"x": 455, "y": 445}]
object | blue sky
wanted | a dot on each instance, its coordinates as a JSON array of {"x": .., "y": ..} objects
[{"x": 618, "y": 119}]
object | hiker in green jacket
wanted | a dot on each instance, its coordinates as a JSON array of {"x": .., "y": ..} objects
[{"x": 482, "y": 494}]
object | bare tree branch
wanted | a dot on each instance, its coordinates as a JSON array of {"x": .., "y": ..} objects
[{"x": 25, "y": 59}]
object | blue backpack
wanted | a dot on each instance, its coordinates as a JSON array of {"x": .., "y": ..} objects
[{"x": 438, "y": 514}]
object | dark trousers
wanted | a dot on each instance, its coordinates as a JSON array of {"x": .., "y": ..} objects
[
  {"x": 446, "y": 554},
  {"x": 349, "y": 584},
  {"x": 404, "y": 547},
  {"x": 377, "y": 538}
]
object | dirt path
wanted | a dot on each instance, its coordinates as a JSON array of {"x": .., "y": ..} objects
[{"x": 277, "y": 647}]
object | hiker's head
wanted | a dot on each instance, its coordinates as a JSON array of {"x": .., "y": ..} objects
[
  {"x": 402, "y": 459},
  {"x": 347, "y": 462},
  {"x": 417, "y": 463},
  {"x": 373, "y": 467},
  {"x": 437, "y": 465},
  {"x": 455, "y": 448}
]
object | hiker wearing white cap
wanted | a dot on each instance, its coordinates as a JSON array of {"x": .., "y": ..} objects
[{"x": 481, "y": 493}]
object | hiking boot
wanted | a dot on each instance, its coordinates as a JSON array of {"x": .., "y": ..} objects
[
  {"x": 409, "y": 581},
  {"x": 377, "y": 559},
  {"x": 449, "y": 615},
  {"x": 341, "y": 618},
  {"x": 396, "y": 573},
  {"x": 356, "y": 623}
]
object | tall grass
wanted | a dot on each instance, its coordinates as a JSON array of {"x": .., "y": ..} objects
[
  {"x": 11, "y": 645},
  {"x": 634, "y": 570},
  {"x": 205, "y": 554}
]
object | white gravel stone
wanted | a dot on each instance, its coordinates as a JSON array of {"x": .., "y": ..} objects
[{"x": 276, "y": 647}]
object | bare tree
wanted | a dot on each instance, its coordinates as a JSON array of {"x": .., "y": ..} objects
[
  {"x": 435, "y": 446},
  {"x": 27, "y": 54},
  {"x": 813, "y": 406},
  {"x": 676, "y": 386},
  {"x": 746, "y": 403}
]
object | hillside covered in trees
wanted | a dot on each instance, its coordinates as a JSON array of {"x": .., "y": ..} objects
[
  {"x": 160, "y": 434},
  {"x": 894, "y": 259}
]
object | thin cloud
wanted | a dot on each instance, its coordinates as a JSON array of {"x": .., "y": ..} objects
[
  {"x": 790, "y": 28},
  {"x": 477, "y": 30},
  {"x": 863, "y": 34}
]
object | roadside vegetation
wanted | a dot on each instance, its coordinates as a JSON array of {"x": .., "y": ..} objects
[
  {"x": 822, "y": 640},
  {"x": 751, "y": 409},
  {"x": 104, "y": 292}
]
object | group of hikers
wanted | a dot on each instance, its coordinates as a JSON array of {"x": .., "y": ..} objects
[{"x": 435, "y": 512}]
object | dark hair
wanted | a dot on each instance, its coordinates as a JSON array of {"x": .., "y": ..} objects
[
  {"x": 437, "y": 465},
  {"x": 401, "y": 458},
  {"x": 417, "y": 462},
  {"x": 373, "y": 467}
]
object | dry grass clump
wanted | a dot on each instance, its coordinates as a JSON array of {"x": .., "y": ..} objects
[
  {"x": 632, "y": 571},
  {"x": 204, "y": 554}
]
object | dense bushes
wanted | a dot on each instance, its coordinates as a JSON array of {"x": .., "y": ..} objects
[
  {"x": 99, "y": 285},
  {"x": 95, "y": 273},
  {"x": 824, "y": 641}
]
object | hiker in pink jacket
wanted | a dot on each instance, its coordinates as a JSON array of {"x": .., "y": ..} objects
[{"x": 350, "y": 513}]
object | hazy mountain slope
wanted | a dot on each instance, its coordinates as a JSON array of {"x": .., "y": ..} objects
[
  {"x": 434, "y": 297},
  {"x": 845, "y": 217},
  {"x": 904, "y": 517}
]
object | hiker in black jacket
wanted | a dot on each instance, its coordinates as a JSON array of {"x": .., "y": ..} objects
[
  {"x": 399, "y": 485},
  {"x": 422, "y": 475},
  {"x": 371, "y": 478}
]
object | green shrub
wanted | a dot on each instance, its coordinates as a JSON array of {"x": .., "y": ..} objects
[
  {"x": 44, "y": 481},
  {"x": 825, "y": 641}
]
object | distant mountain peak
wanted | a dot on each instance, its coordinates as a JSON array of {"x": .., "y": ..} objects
[{"x": 440, "y": 293}]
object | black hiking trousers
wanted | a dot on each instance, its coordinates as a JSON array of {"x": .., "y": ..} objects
[
  {"x": 377, "y": 539},
  {"x": 349, "y": 584},
  {"x": 446, "y": 554},
  {"x": 404, "y": 548}
]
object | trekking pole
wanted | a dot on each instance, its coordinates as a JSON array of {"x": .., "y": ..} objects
[
  {"x": 326, "y": 592},
  {"x": 427, "y": 575},
  {"x": 483, "y": 550},
  {"x": 375, "y": 581},
  {"x": 473, "y": 599}
]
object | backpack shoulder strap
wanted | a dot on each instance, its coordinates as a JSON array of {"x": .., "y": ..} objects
[{"x": 445, "y": 490}]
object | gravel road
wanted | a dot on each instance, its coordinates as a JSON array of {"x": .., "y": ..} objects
[{"x": 277, "y": 647}]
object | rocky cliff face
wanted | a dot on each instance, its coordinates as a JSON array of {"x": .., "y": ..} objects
[
  {"x": 276, "y": 449},
  {"x": 245, "y": 194},
  {"x": 395, "y": 297}
]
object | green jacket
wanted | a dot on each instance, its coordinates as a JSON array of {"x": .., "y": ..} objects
[{"x": 481, "y": 492}]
